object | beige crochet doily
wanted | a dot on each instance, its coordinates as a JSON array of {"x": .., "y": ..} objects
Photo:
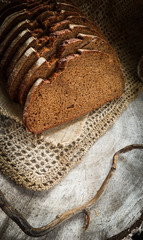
[{"x": 40, "y": 162}]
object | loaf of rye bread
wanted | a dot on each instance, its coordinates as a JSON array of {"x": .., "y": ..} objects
[{"x": 56, "y": 63}]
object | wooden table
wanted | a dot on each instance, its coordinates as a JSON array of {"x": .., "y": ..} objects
[{"x": 118, "y": 208}]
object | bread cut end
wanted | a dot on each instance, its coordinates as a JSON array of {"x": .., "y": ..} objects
[{"x": 82, "y": 83}]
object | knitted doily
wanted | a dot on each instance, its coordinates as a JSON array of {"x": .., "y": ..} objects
[{"x": 40, "y": 162}]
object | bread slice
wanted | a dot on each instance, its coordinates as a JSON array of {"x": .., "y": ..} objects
[
  {"x": 59, "y": 25},
  {"x": 82, "y": 20},
  {"x": 100, "y": 44},
  {"x": 30, "y": 42},
  {"x": 44, "y": 16},
  {"x": 77, "y": 20},
  {"x": 39, "y": 69},
  {"x": 10, "y": 22},
  {"x": 56, "y": 38},
  {"x": 18, "y": 41},
  {"x": 12, "y": 41},
  {"x": 68, "y": 7},
  {"x": 66, "y": 23},
  {"x": 55, "y": 9},
  {"x": 10, "y": 9},
  {"x": 57, "y": 18},
  {"x": 84, "y": 29},
  {"x": 82, "y": 82},
  {"x": 16, "y": 17},
  {"x": 14, "y": 31},
  {"x": 8, "y": 6},
  {"x": 19, "y": 71},
  {"x": 71, "y": 45},
  {"x": 66, "y": 48}
]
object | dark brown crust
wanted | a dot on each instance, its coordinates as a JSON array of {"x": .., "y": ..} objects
[{"x": 76, "y": 43}]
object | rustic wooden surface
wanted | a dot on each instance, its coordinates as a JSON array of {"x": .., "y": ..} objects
[{"x": 118, "y": 208}]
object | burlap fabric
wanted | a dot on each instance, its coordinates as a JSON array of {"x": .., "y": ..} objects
[{"x": 40, "y": 162}]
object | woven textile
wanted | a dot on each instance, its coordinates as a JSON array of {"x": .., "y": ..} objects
[{"x": 40, "y": 162}]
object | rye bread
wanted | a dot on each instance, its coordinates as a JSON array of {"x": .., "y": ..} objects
[
  {"x": 66, "y": 48},
  {"x": 57, "y": 18},
  {"x": 10, "y": 51},
  {"x": 82, "y": 20},
  {"x": 82, "y": 83},
  {"x": 19, "y": 71},
  {"x": 101, "y": 45},
  {"x": 56, "y": 38},
  {"x": 59, "y": 25},
  {"x": 10, "y": 5},
  {"x": 15, "y": 8},
  {"x": 10, "y": 22},
  {"x": 71, "y": 45},
  {"x": 30, "y": 42},
  {"x": 45, "y": 15},
  {"x": 68, "y": 7},
  {"x": 71, "y": 20},
  {"x": 14, "y": 32},
  {"x": 39, "y": 69},
  {"x": 16, "y": 17},
  {"x": 18, "y": 42},
  {"x": 32, "y": 7}
]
